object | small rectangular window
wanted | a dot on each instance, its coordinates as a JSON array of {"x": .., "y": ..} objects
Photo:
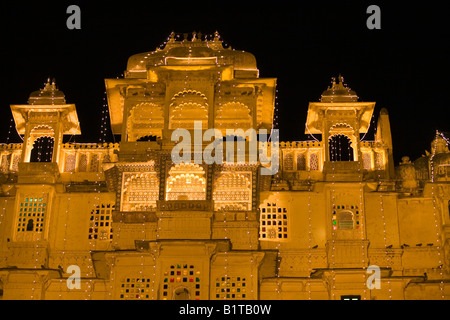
[{"x": 351, "y": 297}]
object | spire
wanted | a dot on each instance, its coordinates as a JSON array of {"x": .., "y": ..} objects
[{"x": 172, "y": 37}]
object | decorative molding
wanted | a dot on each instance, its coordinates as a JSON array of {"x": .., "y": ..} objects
[{"x": 185, "y": 205}]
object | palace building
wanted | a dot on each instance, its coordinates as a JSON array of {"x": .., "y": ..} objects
[{"x": 338, "y": 214}]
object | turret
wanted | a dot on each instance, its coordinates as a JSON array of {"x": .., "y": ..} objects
[
  {"x": 47, "y": 115},
  {"x": 384, "y": 136}
]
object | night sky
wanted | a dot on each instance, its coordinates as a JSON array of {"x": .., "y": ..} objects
[{"x": 403, "y": 67}]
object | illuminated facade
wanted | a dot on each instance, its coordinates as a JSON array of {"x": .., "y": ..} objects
[{"x": 141, "y": 227}]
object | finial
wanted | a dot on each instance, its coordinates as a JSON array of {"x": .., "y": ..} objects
[
  {"x": 47, "y": 84},
  {"x": 194, "y": 36},
  {"x": 172, "y": 37},
  {"x": 216, "y": 36}
]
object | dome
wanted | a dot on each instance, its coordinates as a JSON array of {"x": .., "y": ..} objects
[
  {"x": 339, "y": 92},
  {"x": 48, "y": 95},
  {"x": 188, "y": 51},
  {"x": 439, "y": 145},
  {"x": 193, "y": 48}
]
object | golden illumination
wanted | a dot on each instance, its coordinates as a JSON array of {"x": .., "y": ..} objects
[{"x": 140, "y": 227}]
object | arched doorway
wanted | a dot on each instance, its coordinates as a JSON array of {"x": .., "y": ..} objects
[{"x": 181, "y": 293}]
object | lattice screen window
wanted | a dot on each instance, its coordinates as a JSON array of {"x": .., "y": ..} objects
[
  {"x": 233, "y": 191},
  {"x": 140, "y": 191},
  {"x": 379, "y": 162},
  {"x": 135, "y": 289},
  {"x": 186, "y": 181},
  {"x": 15, "y": 163},
  {"x": 231, "y": 288},
  {"x": 94, "y": 165},
  {"x": 70, "y": 163},
  {"x": 185, "y": 276},
  {"x": 100, "y": 224},
  {"x": 367, "y": 161},
  {"x": 32, "y": 213},
  {"x": 6, "y": 158},
  {"x": 345, "y": 217},
  {"x": 313, "y": 162},
  {"x": 273, "y": 222},
  {"x": 83, "y": 162},
  {"x": 288, "y": 162},
  {"x": 301, "y": 162}
]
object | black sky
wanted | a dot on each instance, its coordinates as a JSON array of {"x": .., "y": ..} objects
[{"x": 403, "y": 67}]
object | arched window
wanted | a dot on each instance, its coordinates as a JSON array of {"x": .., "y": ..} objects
[
  {"x": 140, "y": 191},
  {"x": 345, "y": 220},
  {"x": 83, "y": 162},
  {"x": 233, "y": 115},
  {"x": 186, "y": 107},
  {"x": 70, "y": 163},
  {"x": 313, "y": 162},
  {"x": 346, "y": 216},
  {"x": 301, "y": 162},
  {"x": 146, "y": 119},
  {"x": 42, "y": 150},
  {"x": 186, "y": 181},
  {"x": 233, "y": 191},
  {"x": 340, "y": 148},
  {"x": 288, "y": 162}
]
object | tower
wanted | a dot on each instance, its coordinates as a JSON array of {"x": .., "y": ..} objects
[
  {"x": 197, "y": 212},
  {"x": 340, "y": 117},
  {"x": 42, "y": 122}
]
